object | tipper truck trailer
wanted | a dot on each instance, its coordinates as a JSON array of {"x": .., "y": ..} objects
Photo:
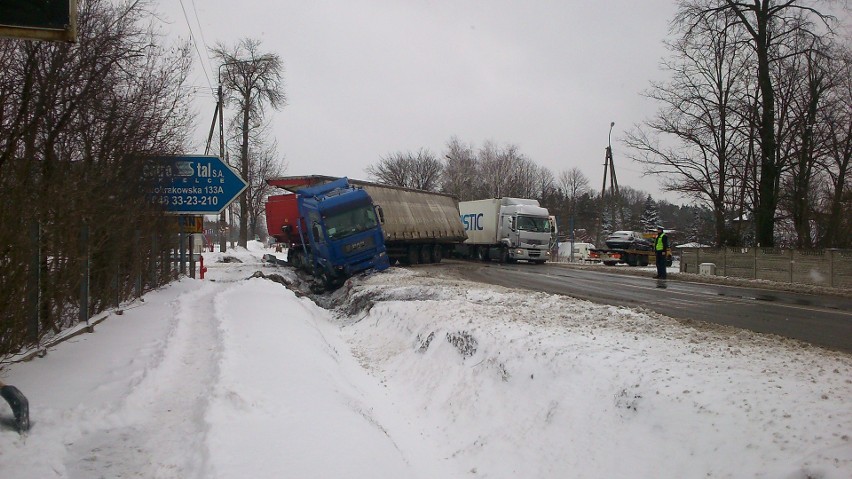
[
  {"x": 506, "y": 229},
  {"x": 418, "y": 226}
]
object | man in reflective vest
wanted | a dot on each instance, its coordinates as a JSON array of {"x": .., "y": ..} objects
[{"x": 661, "y": 245}]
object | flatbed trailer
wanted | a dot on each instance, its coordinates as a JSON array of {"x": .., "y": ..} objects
[{"x": 630, "y": 257}]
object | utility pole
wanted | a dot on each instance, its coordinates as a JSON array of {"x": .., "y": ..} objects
[
  {"x": 223, "y": 241},
  {"x": 613, "y": 181}
]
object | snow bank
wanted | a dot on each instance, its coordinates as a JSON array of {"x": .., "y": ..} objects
[{"x": 420, "y": 377}]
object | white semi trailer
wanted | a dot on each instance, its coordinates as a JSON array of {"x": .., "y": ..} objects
[{"x": 506, "y": 229}]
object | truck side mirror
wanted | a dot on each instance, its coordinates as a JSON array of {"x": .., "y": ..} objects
[
  {"x": 286, "y": 229},
  {"x": 512, "y": 223},
  {"x": 380, "y": 214},
  {"x": 316, "y": 231}
]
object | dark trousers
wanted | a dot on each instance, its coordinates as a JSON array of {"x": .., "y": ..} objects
[{"x": 661, "y": 264}]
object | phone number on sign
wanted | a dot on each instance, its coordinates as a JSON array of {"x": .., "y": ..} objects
[{"x": 184, "y": 200}]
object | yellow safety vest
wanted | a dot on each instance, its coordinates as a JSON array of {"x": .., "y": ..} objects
[{"x": 659, "y": 244}]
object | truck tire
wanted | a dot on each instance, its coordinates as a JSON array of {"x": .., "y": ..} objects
[
  {"x": 610, "y": 263},
  {"x": 482, "y": 253},
  {"x": 632, "y": 260},
  {"x": 296, "y": 258},
  {"x": 643, "y": 260},
  {"x": 437, "y": 253},
  {"x": 413, "y": 254},
  {"x": 425, "y": 254},
  {"x": 504, "y": 255}
]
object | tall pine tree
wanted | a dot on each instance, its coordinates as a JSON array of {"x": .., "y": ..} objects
[{"x": 650, "y": 218}]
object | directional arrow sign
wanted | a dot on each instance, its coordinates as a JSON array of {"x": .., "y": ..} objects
[{"x": 193, "y": 185}]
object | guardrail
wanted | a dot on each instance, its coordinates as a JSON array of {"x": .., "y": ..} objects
[{"x": 829, "y": 267}]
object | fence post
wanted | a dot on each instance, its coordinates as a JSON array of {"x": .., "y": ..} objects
[
  {"x": 116, "y": 277},
  {"x": 34, "y": 283},
  {"x": 137, "y": 263},
  {"x": 154, "y": 259},
  {"x": 84, "y": 284},
  {"x": 182, "y": 252},
  {"x": 192, "y": 256},
  {"x": 754, "y": 262},
  {"x": 830, "y": 267},
  {"x": 792, "y": 261}
]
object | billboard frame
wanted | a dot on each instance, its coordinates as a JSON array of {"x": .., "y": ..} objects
[{"x": 67, "y": 34}]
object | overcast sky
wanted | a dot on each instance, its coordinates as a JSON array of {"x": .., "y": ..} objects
[{"x": 367, "y": 78}]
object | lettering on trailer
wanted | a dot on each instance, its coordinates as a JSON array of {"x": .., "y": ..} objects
[{"x": 472, "y": 221}]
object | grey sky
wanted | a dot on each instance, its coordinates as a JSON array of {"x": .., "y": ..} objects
[{"x": 365, "y": 78}]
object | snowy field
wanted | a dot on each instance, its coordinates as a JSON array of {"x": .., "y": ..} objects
[{"x": 408, "y": 376}]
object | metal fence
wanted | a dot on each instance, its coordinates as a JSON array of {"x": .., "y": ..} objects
[
  {"x": 830, "y": 267},
  {"x": 47, "y": 287}
]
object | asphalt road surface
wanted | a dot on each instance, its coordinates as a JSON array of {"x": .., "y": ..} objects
[{"x": 820, "y": 320}]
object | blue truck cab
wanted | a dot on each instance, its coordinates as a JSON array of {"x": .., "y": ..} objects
[{"x": 340, "y": 232}]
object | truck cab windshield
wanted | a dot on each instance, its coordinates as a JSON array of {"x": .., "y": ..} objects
[
  {"x": 347, "y": 223},
  {"x": 533, "y": 224}
]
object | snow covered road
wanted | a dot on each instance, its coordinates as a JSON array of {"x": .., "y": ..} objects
[{"x": 411, "y": 376}]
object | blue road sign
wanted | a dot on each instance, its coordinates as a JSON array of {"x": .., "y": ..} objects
[{"x": 193, "y": 185}]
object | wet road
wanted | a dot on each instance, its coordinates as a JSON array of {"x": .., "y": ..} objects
[{"x": 821, "y": 320}]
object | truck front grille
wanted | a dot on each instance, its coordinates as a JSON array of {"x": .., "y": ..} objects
[{"x": 357, "y": 246}]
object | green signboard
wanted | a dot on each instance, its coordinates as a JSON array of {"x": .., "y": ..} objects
[
  {"x": 54, "y": 14},
  {"x": 38, "y": 19}
]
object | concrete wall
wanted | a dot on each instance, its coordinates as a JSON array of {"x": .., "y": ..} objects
[{"x": 832, "y": 268}]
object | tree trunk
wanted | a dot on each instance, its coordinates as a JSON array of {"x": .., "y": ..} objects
[
  {"x": 767, "y": 201},
  {"x": 244, "y": 163}
]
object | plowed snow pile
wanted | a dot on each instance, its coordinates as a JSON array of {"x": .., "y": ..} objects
[{"x": 409, "y": 376}]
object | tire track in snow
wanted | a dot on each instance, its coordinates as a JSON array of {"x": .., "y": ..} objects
[{"x": 160, "y": 430}]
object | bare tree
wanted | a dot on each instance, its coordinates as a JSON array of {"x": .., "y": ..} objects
[
  {"x": 769, "y": 26},
  {"x": 426, "y": 171},
  {"x": 699, "y": 112},
  {"x": 421, "y": 170},
  {"x": 803, "y": 82},
  {"x": 253, "y": 80},
  {"x": 393, "y": 169},
  {"x": 460, "y": 170},
  {"x": 837, "y": 119},
  {"x": 75, "y": 123},
  {"x": 266, "y": 163},
  {"x": 573, "y": 184}
]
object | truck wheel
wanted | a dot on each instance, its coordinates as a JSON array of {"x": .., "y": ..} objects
[
  {"x": 632, "y": 260},
  {"x": 504, "y": 255},
  {"x": 482, "y": 253},
  {"x": 425, "y": 254},
  {"x": 413, "y": 254},
  {"x": 610, "y": 263},
  {"x": 643, "y": 260},
  {"x": 437, "y": 253},
  {"x": 296, "y": 259}
]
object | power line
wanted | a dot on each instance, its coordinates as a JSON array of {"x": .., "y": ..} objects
[
  {"x": 195, "y": 44},
  {"x": 201, "y": 32}
]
